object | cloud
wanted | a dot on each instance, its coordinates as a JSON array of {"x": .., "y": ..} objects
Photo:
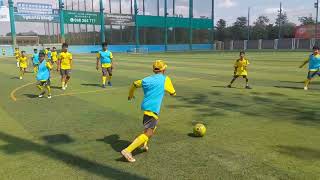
[
  {"x": 272, "y": 10},
  {"x": 226, "y": 3}
]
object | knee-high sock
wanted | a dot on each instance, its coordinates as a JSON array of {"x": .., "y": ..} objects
[
  {"x": 141, "y": 139},
  {"x": 104, "y": 79},
  {"x": 49, "y": 89},
  {"x": 307, "y": 82}
]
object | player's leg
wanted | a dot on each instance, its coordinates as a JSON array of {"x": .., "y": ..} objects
[
  {"x": 67, "y": 78},
  {"x": 232, "y": 81},
  {"x": 149, "y": 123},
  {"x": 47, "y": 85},
  {"x": 109, "y": 76},
  {"x": 21, "y": 73},
  {"x": 63, "y": 78},
  {"x": 40, "y": 87},
  {"x": 104, "y": 76},
  {"x": 247, "y": 82},
  {"x": 311, "y": 74}
]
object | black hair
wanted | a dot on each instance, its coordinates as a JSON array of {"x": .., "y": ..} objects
[
  {"x": 65, "y": 45},
  {"x": 23, "y": 51},
  {"x": 54, "y": 48},
  {"x": 315, "y": 47},
  {"x": 104, "y": 44},
  {"x": 35, "y": 49},
  {"x": 41, "y": 53},
  {"x": 242, "y": 52}
]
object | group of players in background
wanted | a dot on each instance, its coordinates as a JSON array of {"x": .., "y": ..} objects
[{"x": 154, "y": 86}]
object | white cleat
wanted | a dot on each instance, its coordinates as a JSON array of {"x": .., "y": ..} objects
[
  {"x": 305, "y": 88},
  {"x": 40, "y": 95},
  {"x": 20, "y": 77},
  {"x": 128, "y": 156},
  {"x": 64, "y": 88},
  {"x": 49, "y": 97}
]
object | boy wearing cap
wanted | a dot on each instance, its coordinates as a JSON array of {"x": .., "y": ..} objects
[
  {"x": 43, "y": 75},
  {"x": 314, "y": 66},
  {"x": 154, "y": 88}
]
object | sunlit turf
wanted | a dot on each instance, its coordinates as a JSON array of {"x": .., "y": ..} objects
[{"x": 269, "y": 132}]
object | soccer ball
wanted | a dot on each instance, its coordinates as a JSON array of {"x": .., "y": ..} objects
[{"x": 199, "y": 130}]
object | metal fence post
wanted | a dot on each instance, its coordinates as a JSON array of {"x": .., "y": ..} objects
[
  {"x": 102, "y": 35},
  {"x": 245, "y": 44},
  {"x": 190, "y": 23},
  {"x": 275, "y": 44},
  {"x": 260, "y": 44},
  {"x": 61, "y": 6},
  {"x": 12, "y": 24},
  {"x": 231, "y": 45}
]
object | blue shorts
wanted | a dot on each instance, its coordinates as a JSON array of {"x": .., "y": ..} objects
[{"x": 311, "y": 74}]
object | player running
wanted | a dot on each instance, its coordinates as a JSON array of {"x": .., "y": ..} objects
[
  {"x": 54, "y": 56},
  {"x": 154, "y": 88},
  {"x": 17, "y": 53},
  {"x": 240, "y": 69},
  {"x": 65, "y": 65},
  {"x": 43, "y": 75},
  {"x": 35, "y": 60},
  {"x": 105, "y": 58},
  {"x": 314, "y": 66},
  {"x": 23, "y": 64}
]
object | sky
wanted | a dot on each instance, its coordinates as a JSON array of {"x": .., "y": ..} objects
[{"x": 224, "y": 9}]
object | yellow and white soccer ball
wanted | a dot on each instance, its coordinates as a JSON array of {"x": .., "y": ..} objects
[{"x": 199, "y": 130}]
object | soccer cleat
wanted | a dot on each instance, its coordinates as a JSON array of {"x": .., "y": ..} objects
[
  {"x": 66, "y": 85},
  {"x": 305, "y": 88},
  {"x": 49, "y": 96},
  {"x": 104, "y": 86},
  {"x": 248, "y": 87},
  {"x": 40, "y": 95},
  {"x": 110, "y": 84},
  {"x": 128, "y": 156},
  {"x": 229, "y": 86},
  {"x": 20, "y": 77},
  {"x": 63, "y": 88}
]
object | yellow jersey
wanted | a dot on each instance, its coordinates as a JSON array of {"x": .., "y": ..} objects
[
  {"x": 65, "y": 60},
  {"x": 241, "y": 67},
  {"x": 46, "y": 51},
  {"x": 23, "y": 62},
  {"x": 54, "y": 56}
]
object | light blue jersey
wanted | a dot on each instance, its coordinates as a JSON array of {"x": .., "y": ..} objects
[
  {"x": 105, "y": 57},
  {"x": 35, "y": 58},
  {"x": 154, "y": 90},
  {"x": 43, "y": 71},
  {"x": 49, "y": 55},
  {"x": 314, "y": 62}
]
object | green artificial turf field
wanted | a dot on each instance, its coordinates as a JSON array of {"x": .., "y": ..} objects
[{"x": 269, "y": 132}]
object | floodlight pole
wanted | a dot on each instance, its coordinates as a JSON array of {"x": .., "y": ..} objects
[
  {"x": 12, "y": 24},
  {"x": 102, "y": 35},
  {"x": 165, "y": 26},
  {"x": 174, "y": 13},
  {"x": 280, "y": 21},
  {"x": 158, "y": 7},
  {"x": 61, "y": 6},
  {"x": 212, "y": 28},
  {"x": 248, "y": 35},
  {"x": 316, "y": 5},
  {"x": 190, "y": 23},
  {"x": 136, "y": 23}
]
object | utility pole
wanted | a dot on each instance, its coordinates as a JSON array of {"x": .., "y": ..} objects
[
  {"x": 316, "y": 5},
  {"x": 248, "y": 38},
  {"x": 280, "y": 21}
]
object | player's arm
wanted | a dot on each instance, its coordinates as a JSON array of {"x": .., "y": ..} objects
[
  {"x": 49, "y": 65},
  {"x": 59, "y": 63},
  {"x": 98, "y": 61},
  {"x": 168, "y": 86},
  {"x": 70, "y": 60},
  {"x": 112, "y": 61},
  {"x": 134, "y": 86},
  {"x": 304, "y": 63}
]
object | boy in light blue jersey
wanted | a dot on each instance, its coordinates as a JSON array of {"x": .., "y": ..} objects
[
  {"x": 314, "y": 66},
  {"x": 154, "y": 88},
  {"x": 35, "y": 60},
  {"x": 43, "y": 75},
  {"x": 48, "y": 54},
  {"x": 105, "y": 58}
]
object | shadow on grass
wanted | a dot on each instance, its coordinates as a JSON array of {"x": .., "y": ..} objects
[
  {"x": 93, "y": 85},
  {"x": 117, "y": 145},
  {"x": 299, "y": 152},
  {"x": 14, "y": 78},
  {"x": 55, "y": 87},
  {"x": 289, "y": 87},
  {"x": 58, "y": 139},
  {"x": 17, "y": 144},
  {"x": 193, "y": 136},
  {"x": 31, "y": 96}
]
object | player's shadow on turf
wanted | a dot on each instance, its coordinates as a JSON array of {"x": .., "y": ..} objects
[
  {"x": 117, "y": 144},
  {"x": 299, "y": 152},
  {"x": 16, "y": 144},
  {"x": 300, "y": 82},
  {"x": 31, "y": 96},
  {"x": 58, "y": 139},
  {"x": 94, "y": 85},
  {"x": 14, "y": 78},
  {"x": 55, "y": 87},
  {"x": 289, "y": 87}
]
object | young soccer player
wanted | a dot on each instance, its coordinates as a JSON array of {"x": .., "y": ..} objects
[
  {"x": 48, "y": 54},
  {"x": 54, "y": 55},
  {"x": 43, "y": 75},
  {"x": 240, "y": 69},
  {"x": 105, "y": 57},
  {"x": 23, "y": 64},
  {"x": 35, "y": 60},
  {"x": 154, "y": 88},
  {"x": 17, "y": 53},
  {"x": 314, "y": 66},
  {"x": 65, "y": 65}
]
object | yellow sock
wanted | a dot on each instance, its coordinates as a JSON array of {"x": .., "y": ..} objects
[
  {"x": 307, "y": 82},
  {"x": 137, "y": 142},
  {"x": 109, "y": 78},
  {"x": 63, "y": 83},
  {"x": 49, "y": 89},
  {"x": 104, "y": 79},
  {"x": 40, "y": 87},
  {"x": 35, "y": 69}
]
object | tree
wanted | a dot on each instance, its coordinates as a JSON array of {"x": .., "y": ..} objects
[
  {"x": 283, "y": 19},
  {"x": 259, "y": 30},
  {"x": 221, "y": 29},
  {"x": 306, "y": 20},
  {"x": 239, "y": 29}
]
